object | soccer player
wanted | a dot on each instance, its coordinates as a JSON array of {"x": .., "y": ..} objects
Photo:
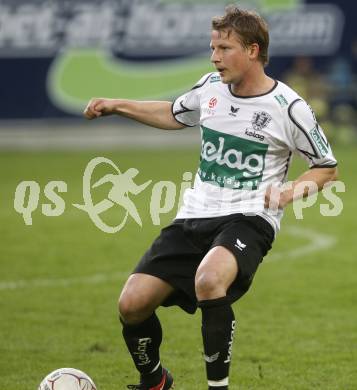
[{"x": 250, "y": 126}]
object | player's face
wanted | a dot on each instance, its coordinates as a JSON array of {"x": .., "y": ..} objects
[{"x": 231, "y": 59}]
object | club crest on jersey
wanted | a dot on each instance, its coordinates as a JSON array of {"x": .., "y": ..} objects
[{"x": 260, "y": 120}]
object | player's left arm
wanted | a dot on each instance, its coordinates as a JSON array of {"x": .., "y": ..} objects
[
  {"x": 300, "y": 188},
  {"x": 307, "y": 139}
]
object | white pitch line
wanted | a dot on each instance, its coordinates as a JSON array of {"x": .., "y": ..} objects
[
  {"x": 318, "y": 241},
  {"x": 63, "y": 282}
]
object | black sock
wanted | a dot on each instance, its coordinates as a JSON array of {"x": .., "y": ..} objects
[
  {"x": 143, "y": 342},
  {"x": 218, "y": 326}
]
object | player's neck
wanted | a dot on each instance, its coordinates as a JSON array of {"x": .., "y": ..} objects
[{"x": 253, "y": 85}]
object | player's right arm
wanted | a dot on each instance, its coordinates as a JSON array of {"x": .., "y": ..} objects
[
  {"x": 152, "y": 113},
  {"x": 183, "y": 112}
]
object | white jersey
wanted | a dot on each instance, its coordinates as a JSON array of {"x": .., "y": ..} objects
[{"x": 247, "y": 145}]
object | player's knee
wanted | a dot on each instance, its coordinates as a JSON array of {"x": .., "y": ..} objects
[
  {"x": 209, "y": 286},
  {"x": 133, "y": 310}
]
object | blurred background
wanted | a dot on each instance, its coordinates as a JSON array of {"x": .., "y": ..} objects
[
  {"x": 57, "y": 54},
  {"x": 60, "y": 277}
]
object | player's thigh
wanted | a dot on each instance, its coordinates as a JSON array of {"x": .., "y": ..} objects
[
  {"x": 216, "y": 272},
  {"x": 142, "y": 294}
]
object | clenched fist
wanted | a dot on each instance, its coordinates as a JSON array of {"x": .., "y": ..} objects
[{"x": 100, "y": 107}]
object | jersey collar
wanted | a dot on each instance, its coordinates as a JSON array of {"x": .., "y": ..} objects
[{"x": 252, "y": 96}]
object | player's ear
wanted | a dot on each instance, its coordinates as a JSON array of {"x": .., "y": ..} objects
[{"x": 253, "y": 51}]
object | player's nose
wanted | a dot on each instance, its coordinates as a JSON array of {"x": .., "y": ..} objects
[{"x": 214, "y": 57}]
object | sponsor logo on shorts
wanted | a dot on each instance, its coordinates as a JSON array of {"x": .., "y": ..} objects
[{"x": 240, "y": 245}]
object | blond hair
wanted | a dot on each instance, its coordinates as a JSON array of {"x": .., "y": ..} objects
[{"x": 249, "y": 27}]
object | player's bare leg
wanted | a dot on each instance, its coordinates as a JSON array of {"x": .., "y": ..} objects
[
  {"x": 142, "y": 294},
  {"x": 215, "y": 274},
  {"x": 142, "y": 332}
]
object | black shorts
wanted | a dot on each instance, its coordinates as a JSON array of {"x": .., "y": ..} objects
[{"x": 176, "y": 254}]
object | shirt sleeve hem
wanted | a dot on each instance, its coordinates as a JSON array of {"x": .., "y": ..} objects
[
  {"x": 177, "y": 120},
  {"x": 324, "y": 166}
]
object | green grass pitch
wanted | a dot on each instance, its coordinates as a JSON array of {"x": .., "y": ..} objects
[{"x": 60, "y": 278}]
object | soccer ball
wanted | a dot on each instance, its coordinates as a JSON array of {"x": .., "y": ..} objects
[{"x": 67, "y": 379}]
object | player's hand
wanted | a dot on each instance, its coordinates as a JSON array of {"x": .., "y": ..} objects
[
  {"x": 100, "y": 107},
  {"x": 275, "y": 198}
]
